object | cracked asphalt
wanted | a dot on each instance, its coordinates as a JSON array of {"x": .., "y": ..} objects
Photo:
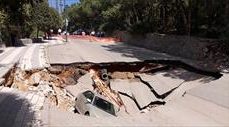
[
  {"x": 199, "y": 101},
  {"x": 194, "y": 103}
]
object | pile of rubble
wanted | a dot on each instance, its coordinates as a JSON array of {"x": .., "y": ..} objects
[
  {"x": 51, "y": 82},
  {"x": 48, "y": 82}
]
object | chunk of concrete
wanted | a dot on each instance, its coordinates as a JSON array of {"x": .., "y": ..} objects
[
  {"x": 160, "y": 82},
  {"x": 140, "y": 91},
  {"x": 84, "y": 83}
]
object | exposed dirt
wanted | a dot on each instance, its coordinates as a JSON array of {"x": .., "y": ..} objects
[
  {"x": 52, "y": 81},
  {"x": 217, "y": 53}
]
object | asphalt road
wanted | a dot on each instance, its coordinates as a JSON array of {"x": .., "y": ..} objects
[
  {"x": 201, "y": 105},
  {"x": 85, "y": 51},
  {"x": 204, "y": 104}
]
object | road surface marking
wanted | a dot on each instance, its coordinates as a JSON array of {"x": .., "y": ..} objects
[
  {"x": 25, "y": 62},
  {"x": 43, "y": 61}
]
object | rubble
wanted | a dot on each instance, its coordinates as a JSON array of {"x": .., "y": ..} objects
[
  {"x": 44, "y": 82},
  {"x": 51, "y": 82},
  {"x": 103, "y": 88}
]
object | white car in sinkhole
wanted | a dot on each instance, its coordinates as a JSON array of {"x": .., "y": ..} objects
[{"x": 92, "y": 104}]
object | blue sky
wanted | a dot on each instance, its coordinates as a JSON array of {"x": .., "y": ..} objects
[{"x": 68, "y": 2}]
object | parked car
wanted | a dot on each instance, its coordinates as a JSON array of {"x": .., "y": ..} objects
[
  {"x": 92, "y": 104},
  {"x": 100, "y": 34},
  {"x": 78, "y": 32}
]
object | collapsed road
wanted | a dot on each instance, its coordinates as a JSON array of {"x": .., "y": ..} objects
[
  {"x": 158, "y": 94},
  {"x": 52, "y": 81}
]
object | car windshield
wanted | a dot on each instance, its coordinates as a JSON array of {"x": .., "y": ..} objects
[
  {"x": 89, "y": 95},
  {"x": 104, "y": 105}
]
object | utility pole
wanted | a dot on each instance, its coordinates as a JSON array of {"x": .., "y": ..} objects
[
  {"x": 66, "y": 29},
  {"x": 66, "y": 25}
]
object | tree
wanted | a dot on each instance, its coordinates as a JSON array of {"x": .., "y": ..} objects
[
  {"x": 2, "y": 18},
  {"x": 45, "y": 18},
  {"x": 17, "y": 20},
  {"x": 205, "y": 18}
]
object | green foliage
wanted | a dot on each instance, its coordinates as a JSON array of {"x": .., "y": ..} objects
[
  {"x": 2, "y": 18},
  {"x": 87, "y": 14},
  {"x": 206, "y": 18},
  {"x": 34, "y": 34},
  {"x": 46, "y": 18},
  {"x": 15, "y": 18}
]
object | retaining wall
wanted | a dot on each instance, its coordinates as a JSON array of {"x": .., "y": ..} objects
[{"x": 183, "y": 46}]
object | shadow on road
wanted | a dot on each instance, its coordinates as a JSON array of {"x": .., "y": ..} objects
[
  {"x": 15, "y": 111},
  {"x": 187, "y": 73},
  {"x": 135, "y": 52},
  {"x": 187, "y": 76}
]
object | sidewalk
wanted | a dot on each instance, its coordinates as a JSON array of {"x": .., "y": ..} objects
[{"x": 20, "y": 109}]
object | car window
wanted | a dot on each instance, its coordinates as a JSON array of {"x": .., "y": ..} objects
[
  {"x": 104, "y": 105},
  {"x": 89, "y": 95}
]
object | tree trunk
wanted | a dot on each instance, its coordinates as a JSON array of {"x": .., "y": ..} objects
[{"x": 37, "y": 32}]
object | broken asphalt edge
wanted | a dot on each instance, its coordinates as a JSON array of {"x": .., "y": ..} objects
[
  {"x": 173, "y": 63},
  {"x": 7, "y": 70}
]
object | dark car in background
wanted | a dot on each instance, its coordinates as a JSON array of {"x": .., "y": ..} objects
[
  {"x": 100, "y": 34},
  {"x": 78, "y": 32}
]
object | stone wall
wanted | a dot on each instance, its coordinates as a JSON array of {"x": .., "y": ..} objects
[
  {"x": 183, "y": 46},
  {"x": 25, "y": 41}
]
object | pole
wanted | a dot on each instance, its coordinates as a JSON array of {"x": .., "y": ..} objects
[
  {"x": 66, "y": 25},
  {"x": 66, "y": 28}
]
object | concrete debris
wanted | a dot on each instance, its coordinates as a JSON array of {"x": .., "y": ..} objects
[
  {"x": 51, "y": 82},
  {"x": 104, "y": 89},
  {"x": 34, "y": 79},
  {"x": 45, "y": 83},
  {"x": 45, "y": 88}
]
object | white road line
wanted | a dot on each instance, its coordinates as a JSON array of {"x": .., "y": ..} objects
[
  {"x": 10, "y": 58},
  {"x": 25, "y": 62},
  {"x": 43, "y": 62}
]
